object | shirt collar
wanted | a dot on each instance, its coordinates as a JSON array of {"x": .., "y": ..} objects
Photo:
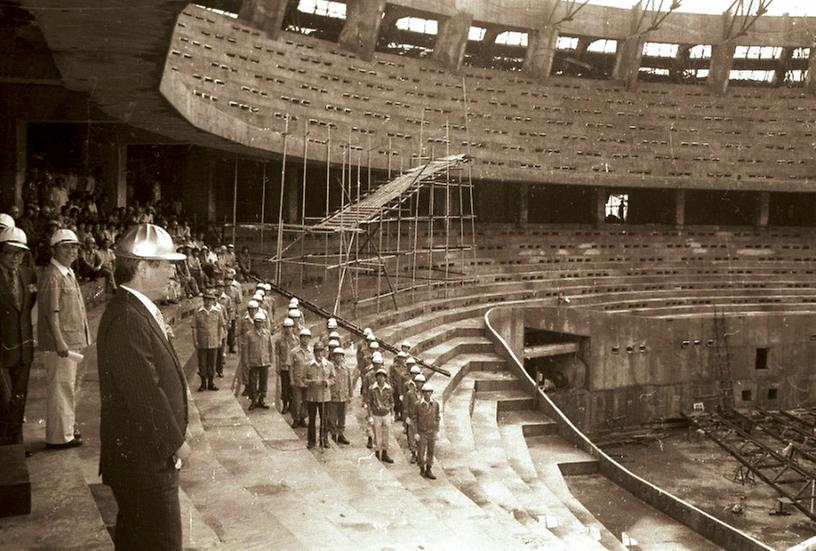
[
  {"x": 152, "y": 308},
  {"x": 63, "y": 270}
]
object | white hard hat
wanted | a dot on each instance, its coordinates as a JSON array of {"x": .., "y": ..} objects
[
  {"x": 405, "y": 344},
  {"x": 366, "y": 331},
  {"x": 288, "y": 322},
  {"x": 259, "y": 316},
  {"x": 373, "y": 345},
  {"x": 410, "y": 360},
  {"x": 377, "y": 360},
  {"x": 420, "y": 378},
  {"x": 146, "y": 242},
  {"x": 371, "y": 337},
  {"x": 14, "y": 237},
  {"x": 415, "y": 369},
  {"x": 63, "y": 236},
  {"x": 252, "y": 304},
  {"x": 334, "y": 343},
  {"x": 293, "y": 302},
  {"x": 334, "y": 335},
  {"x": 6, "y": 221},
  {"x": 294, "y": 313},
  {"x": 381, "y": 371},
  {"x": 401, "y": 354},
  {"x": 331, "y": 323},
  {"x": 305, "y": 332},
  {"x": 338, "y": 350},
  {"x": 375, "y": 356}
]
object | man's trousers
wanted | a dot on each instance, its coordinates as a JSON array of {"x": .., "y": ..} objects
[{"x": 61, "y": 375}]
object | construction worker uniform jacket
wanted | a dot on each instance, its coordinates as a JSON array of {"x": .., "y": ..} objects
[
  {"x": 380, "y": 399},
  {"x": 410, "y": 401},
  {"x": 394, "y": 375},
  {"x": 229, "y": 307},
  {"x": 320, "y": 379},
  {"x": 341, "y": 389},
  {"x": 235, "y": 293},
  {"x": 283, "y": 348},
  {"x": 257, "y": 349},
  {"x": 299, "y": 360},
  {"x": 208, "y": 327},
  {"x": 427, "y": 418}
]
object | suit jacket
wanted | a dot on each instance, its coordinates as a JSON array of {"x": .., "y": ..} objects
[
  {"x": 143, "y": 393},
  {"x": 16, "y": 333}
]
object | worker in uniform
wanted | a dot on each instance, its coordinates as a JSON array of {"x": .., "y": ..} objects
[
  {"x": 233, "y": 289},
  {"x": 245, "y": 323},
  {"x": 319, "y": 380},
  {"x": 297, "y": 317},
  {"x": 208, "y": 326},
  {"x": 285, "y": 344},
  {"x": 340, "y": 396},
  {"x": 362, "y": 353},
  {"x": 18, "y": 292},
  {"x": 395, "y": 373},
  {"x": 380, "y": 408},
  {"x": 366, "y": 380},
  {"x": 257, "y": 352},
  {"x": 299, "y": 360},
  {"x": 227, "y": 308},
  {"x": 268, "y": 301},
  {"x": 62, "y": 330},
  {"x": 410, "y": 412},
  {"x": 428, "y": 417},
  {"x": 143, "y": 394}
]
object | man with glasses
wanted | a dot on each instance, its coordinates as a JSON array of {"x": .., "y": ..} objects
[
  {"x": 17, "y": 296},
  {"x": 63, "y": 335}
]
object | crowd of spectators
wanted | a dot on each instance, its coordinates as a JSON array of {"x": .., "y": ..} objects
[{"x": 79, "y": 202}]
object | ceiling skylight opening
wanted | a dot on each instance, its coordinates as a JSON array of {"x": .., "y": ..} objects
[
  {"x": 512, "y": 38},
  {"x": 418, "y": 25}
]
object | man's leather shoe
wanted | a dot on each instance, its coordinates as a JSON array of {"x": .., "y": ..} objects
[
  {"x": 285, "y": 410},
  {"x": 252, "y": 406},
  {"x": 263, "y": 405},
  {"x": 75, "y": 443},
  {"x": 202, "y": 388},
  {"x": 219, "y": 375},
  {"x": 385, "y": 459},
  {"x": 310, "y": 445},
  {"x": 370, "y": 444},
  {"x": 212, "y": 387},
  {"x": 429, "y": 474},
  {"x": 342, "y": 440}
]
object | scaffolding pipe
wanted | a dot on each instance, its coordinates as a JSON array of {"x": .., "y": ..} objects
[
  {"x": 280, "y": 207},
  {"x": 328, "y": 204},
  {"x": 234, "y": 201},
  {"x": 430, "y": 231},
  {"x": 263, "y": 202},
  {"x": 447, "y": 204},
  {"x": 303, "y": 196}
]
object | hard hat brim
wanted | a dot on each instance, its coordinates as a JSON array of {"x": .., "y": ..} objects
[{"x": 172, "y": 257}]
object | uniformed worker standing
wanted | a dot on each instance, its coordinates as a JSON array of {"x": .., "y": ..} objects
[
  {"x": 62, "y": 328},
  {"x": 395, "y": 373},
  {"x": 257, "y": 352},
  {"x": 428, "y": 416},
  {"x": 368, "y": 379},
  {"x": 340, "y": 396},
  {"x": 208, "y": 326},
  {"x": 245, "y": 323},
  {"x": 233, "y": 289},
  {"x": 410, "y": 411},
  {"x": 299, "y": 360},
  {"x": 286, "y": 342},
  {"x": 228, "y": 310},
  {"x": 320, "y": 379},
  {"x": 380, "y": 406}
]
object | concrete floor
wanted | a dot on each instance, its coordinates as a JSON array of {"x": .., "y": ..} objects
[{"x": 702, "y": 473}]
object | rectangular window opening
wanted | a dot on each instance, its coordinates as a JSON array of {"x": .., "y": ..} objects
[
  {"x": 772, "y": 393},
  {"x": 747, "y": 396},
  {"x": 761, "y": 360}
]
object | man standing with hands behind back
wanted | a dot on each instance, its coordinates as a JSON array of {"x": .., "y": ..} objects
[
  {"x": 144, "y": 397},
  {"x": 63, "y": 333}
]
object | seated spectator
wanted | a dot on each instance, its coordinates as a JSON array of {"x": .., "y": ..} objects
[
  {"x": 108, "y": 263},
  {"x": 244, "y": 263}
]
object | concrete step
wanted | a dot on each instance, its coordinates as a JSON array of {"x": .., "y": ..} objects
[
  {"x": 464, "y": 464},
  {"x": 509, "y": 400},
  {"x": 542, "y": 503},
  {"x": 532, "y": 422},
  {"x": 495, "y": 380}
]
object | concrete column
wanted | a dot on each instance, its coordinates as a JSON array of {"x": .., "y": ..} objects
[
  {"x": 291, "y": 196},
  {"x": 541, "y": 45},
  {"x": 524, "y": 204},
  {"x": 599, "y": 205},
  {"x": 115, "y": 172},
  {"x": 452, "y": 40},
  {"x": 719, "y": 70},
  {"x": 763, "y": 209},
  {"x": 785, "y": 58},
  {"x": 363, "y": 19},
  {"x": 629, "y": 52},
  {"x": 13, "y": 155},
  {"x": 810, "y": 77},
  {"x": 680, "y": 207},
  {"x": 680, "y": 62},
  {"x": 264, "y": 15}
]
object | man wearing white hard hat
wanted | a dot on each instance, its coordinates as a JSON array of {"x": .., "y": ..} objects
[
  {"x": 233, "y": 289},
  {"x": 257, "y": 353},
  {"x": 6, "y": 221},
  {"x": 63, "y": 334},
  {"x": 340, "y": 396},
  {"x": 427, "y": 426},
  {"x": 380, "y": 406},
  {"x": 299, "y": 360},
  {"x": 17, "y": 296},
  {"x": 411, "y": 400},
  {"x": 245, "y": 324},
  {"x": 286, "y": 343},
  {"x": 144, "y": 396}
]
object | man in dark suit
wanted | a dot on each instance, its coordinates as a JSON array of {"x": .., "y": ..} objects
[
  {"x": 144, "y": 396},
  {"x": 17, "y": 296}
]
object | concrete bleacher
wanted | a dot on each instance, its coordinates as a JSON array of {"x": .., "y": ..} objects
[{"x": 232, "y": 81}]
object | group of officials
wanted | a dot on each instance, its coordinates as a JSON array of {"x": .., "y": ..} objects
[{"x": 143, "y": 391}]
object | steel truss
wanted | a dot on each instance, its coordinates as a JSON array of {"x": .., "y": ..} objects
[{"x": 752, "y": 441}]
